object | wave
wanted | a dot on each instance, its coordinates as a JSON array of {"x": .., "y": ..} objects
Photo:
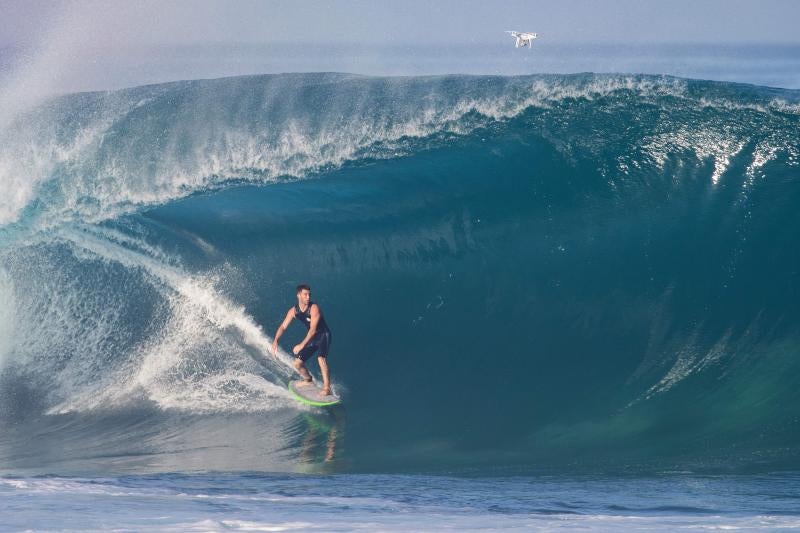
[
  {"x": 93, "y": 156},
  {"x": 544, "y": 268}
]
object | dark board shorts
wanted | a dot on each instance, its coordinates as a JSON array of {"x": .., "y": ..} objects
[{"x": 319, "y": 345}]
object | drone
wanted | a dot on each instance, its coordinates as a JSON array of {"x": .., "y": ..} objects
[{"x": 523, "y": 39}]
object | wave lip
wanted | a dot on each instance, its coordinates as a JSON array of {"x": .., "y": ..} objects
[{"x": 94, "y": 156}]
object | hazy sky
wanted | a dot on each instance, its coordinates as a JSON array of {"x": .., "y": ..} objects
[
  {"x": 131, "y": 22},
  {"x": 49, "y": 47}
]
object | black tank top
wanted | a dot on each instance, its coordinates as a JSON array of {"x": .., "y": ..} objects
[{"x": 305, "y": 318}]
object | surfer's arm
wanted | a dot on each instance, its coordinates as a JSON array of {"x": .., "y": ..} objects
[
  {"x": 312, "y": 329},
  {"x": 281, "y": 329}
]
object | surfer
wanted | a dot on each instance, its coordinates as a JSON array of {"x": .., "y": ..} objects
[{"x": 317, "y": 340}]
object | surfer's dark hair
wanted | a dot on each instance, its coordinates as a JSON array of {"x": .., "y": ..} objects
[{"x": 303, "y": 287}]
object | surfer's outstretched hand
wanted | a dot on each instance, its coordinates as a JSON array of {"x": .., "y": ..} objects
[{"x": 275, "y": 350}]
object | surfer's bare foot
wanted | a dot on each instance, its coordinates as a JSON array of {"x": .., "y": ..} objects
[
  {"x": 326, "y": 392},
  {"x": 304, "y": 383}
]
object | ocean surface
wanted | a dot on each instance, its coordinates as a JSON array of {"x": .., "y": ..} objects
[
  {"x": 557, "y": 301},
  {"x": 249, "y": 502}
]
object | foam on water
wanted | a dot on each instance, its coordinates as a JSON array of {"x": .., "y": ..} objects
[
  {"x": 7, "y": 314},
  {"x": 203, "y": 354},
  {"x": 414, "y": 503}
]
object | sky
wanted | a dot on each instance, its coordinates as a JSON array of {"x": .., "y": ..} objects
[
  {"x": 57, "y": 46},
  {"x": 136, "y": 22}
]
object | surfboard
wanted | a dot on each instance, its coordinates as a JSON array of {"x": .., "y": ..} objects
[{"x": 312, "y": 395}]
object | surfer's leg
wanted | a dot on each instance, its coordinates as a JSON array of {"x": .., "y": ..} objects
[
  {"x": 322, "y": 359},
  {"x": 326, "y": 379},
  {"x": 303, "y": 371},
  {"x": 300, "y": 363}
]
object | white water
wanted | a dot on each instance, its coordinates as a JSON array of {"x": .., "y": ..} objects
[
  {"x": 200, "y": 353},
  {"x": 7, "y": 314},
  {"x": 400, "y": 503}
]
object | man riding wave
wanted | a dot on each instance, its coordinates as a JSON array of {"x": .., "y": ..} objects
[{"x": 317, "y": 340}]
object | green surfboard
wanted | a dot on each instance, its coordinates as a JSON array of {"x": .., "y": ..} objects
[{"x": 312, "y": 395}]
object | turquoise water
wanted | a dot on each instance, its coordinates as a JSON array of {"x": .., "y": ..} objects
[{"x": 576, "y": 276}]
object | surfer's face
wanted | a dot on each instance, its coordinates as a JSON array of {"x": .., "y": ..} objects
[{"x": 303, "y": 297}]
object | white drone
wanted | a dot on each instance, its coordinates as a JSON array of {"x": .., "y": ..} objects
[{"x": 523, "y": 39}]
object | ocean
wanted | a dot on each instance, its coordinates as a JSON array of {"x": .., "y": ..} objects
[{"x": 557, "y": 301}]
